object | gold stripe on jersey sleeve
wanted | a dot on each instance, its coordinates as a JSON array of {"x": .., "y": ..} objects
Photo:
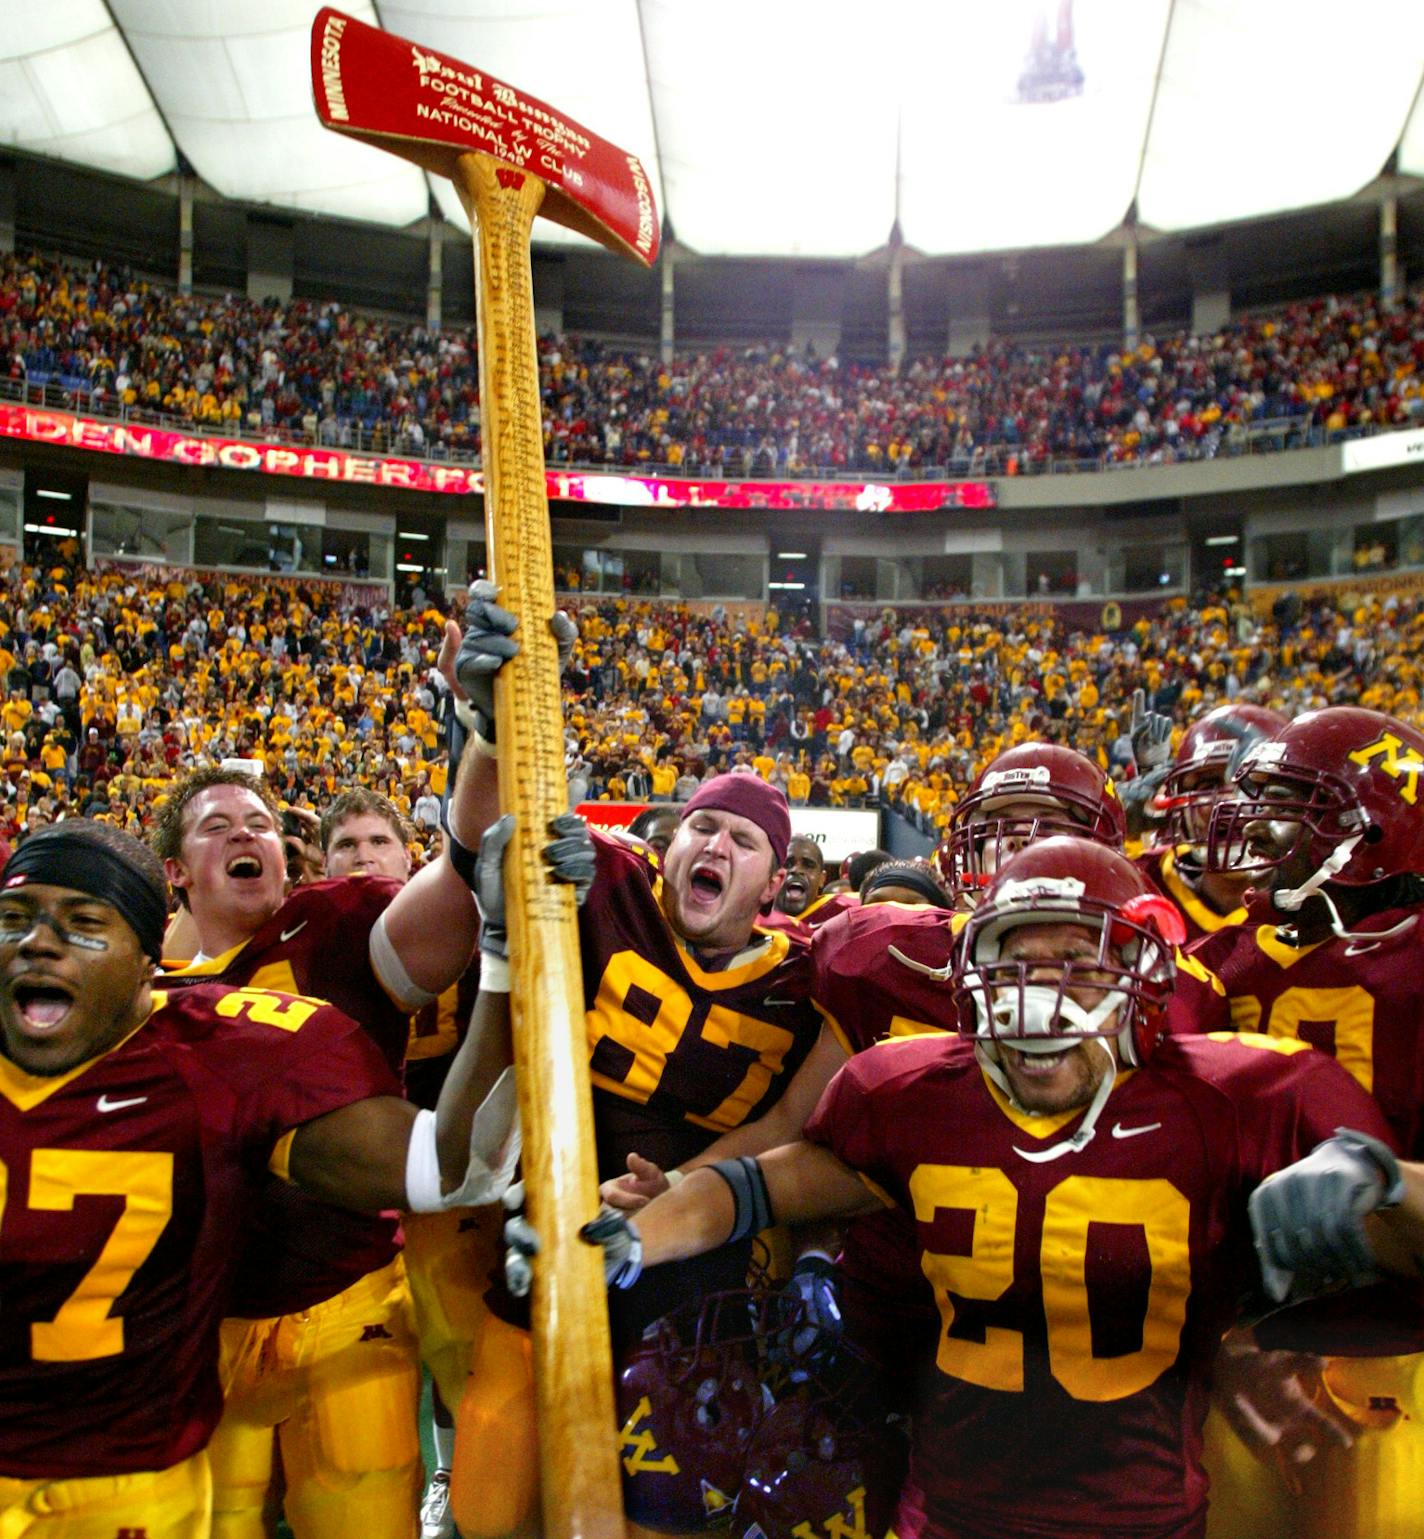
[
  {"x": 836, "y": 1030},
  {"x": 280, "y": 1162},
  {"x": 1287, "y": 1045},
  {"x": 877, "y": 1191}
]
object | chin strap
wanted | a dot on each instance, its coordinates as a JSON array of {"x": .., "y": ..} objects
[
  {"x": 939, "y": 974},
  {"x": 1086, "y": 1129},
  {"x": 1292, "y": 899}
]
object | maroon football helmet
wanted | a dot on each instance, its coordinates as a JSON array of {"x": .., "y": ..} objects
[
  {"x": 827, "y": 1450},
  {"x": 1209, "y": 754},
  {"x": 690, "y": 1394},
  {"x": 1066, "y": 880},
  {"x": 1342, "y": 784},
  {"x": 1028, "y": 792}
]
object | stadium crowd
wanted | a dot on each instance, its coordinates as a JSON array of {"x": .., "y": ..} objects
[
  {"x": 317, "y": 372},
  {"x": 115, "y": 684}
]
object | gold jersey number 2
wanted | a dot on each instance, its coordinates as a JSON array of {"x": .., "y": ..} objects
[{"x": 1155, "y": 1207}]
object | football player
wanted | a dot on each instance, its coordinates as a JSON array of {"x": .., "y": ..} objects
[
  {"x": 1078, "y": 1182},
  {"x": 864, "y": 988},
  {"x": 448, "y": 1255},
  {"x": 696, "y": 1022},
  {"x": 1326, "y": 824},
  {"x": 137, "y": 1127},
  {"x": 1200, "y": 775},
  {"x": 1025, "y": 793},
  {"x": 803, "y": 904},
  {"x": 328, "y": 1349}
]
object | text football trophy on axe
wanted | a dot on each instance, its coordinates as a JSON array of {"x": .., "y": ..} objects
[{"x": 511, "y": 157}]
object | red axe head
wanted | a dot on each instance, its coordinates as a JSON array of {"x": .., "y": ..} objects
[{"x": 431, "y": 109}]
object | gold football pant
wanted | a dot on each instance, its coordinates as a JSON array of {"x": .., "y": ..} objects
[
  {"x": 174, "y": 1503},
  {"x": 339, "y": 1385},
  {"x": 449, "y": 1259},
  {"x": 494, "y": 1483},
  {"x": 1375, "y": 1489}
]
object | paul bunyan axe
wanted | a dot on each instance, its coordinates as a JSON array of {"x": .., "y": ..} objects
[{"x": 510, "y": 156}]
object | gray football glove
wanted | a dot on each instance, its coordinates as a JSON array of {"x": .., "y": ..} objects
[
  {"x": 571, "y": 855},
  {"x": 1308, "y": 1219},
  {"x": 1150, "y": 733},
  {"x": 484, "y": 649},
  {"x": 521, "y": 1241},
  {"x": 621, "y": 1243},
  {"x": 488, "y": 886}
]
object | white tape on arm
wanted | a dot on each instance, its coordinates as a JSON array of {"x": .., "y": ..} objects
[{"x": 390, "y": 970}]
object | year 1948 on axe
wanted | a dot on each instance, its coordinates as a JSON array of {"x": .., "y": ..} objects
[{"x": 512, "y": 157}]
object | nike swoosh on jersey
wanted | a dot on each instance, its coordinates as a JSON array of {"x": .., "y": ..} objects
[
  {"x": 1121, "y": 1132},
  {"x": 286, "y": 935},
  {"x": 771, "y": 1002},
  {"x": 104, "y": 1104}
]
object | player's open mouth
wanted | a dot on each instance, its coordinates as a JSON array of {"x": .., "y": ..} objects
[
  {"x": 794, "y": 886},
  {"x": 41, "y": 1006},
  {"x": 706, "y": 884},
  {"x": 246, "y": 867}
]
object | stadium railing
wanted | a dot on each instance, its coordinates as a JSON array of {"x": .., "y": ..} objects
[{"x": 1267, "y": 436}]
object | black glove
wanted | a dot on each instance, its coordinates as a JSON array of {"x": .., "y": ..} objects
[
  {"x": 1151, "y": 734},
  {"x": 1308, "y": 1219},
  {"x": 572, "y": 856},
  {"x": 488, "y": 886},
  {"x": 621, "y": 1243},
  {"x": 484, "y": 649}
]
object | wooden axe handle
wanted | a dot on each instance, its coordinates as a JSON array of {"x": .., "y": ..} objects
[{"x": 572, "y": 1361}]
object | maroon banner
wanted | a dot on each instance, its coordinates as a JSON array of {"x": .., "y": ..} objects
[
  {"x": 431, "y": 109},
  {"x": 32, "y": 424},
  {"x": 844, "y": 496}
]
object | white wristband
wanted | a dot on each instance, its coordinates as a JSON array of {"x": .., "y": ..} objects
[
  {"x": 494, "y": 973},
  {"x": 423, "y": 1193},
  {"x": 672, "y": 1177}
]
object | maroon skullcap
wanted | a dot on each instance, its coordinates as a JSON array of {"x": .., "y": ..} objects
[{"x": 750, "y": 797}]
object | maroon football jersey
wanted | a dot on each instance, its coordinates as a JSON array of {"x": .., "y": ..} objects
[
  {"x": 1081, "y": 1299},
  {"x": 1159, "y": 866},
  {"x": 317, "y": 944},
  {"x": 1359, "y": 1000},
  {"x": 129, "y": 1182},
  {"x": 677, "y": 1054},
  {"x": 870, "y": 993},
  {"x": 805, "y": 924}
]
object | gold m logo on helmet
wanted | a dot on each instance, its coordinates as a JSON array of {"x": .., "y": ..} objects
[
  {"x": 836, "y": 1526},
  {"x": 643, "y": 1444},
  {"x": 1396, "y": 761}
]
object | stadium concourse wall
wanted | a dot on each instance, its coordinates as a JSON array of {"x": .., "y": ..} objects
[{"x": 1110, "y": 545}]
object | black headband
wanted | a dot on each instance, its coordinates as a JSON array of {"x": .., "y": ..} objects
[
  {"x": 61, "y": 859},
  {"x": 910, "y": 877}
]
